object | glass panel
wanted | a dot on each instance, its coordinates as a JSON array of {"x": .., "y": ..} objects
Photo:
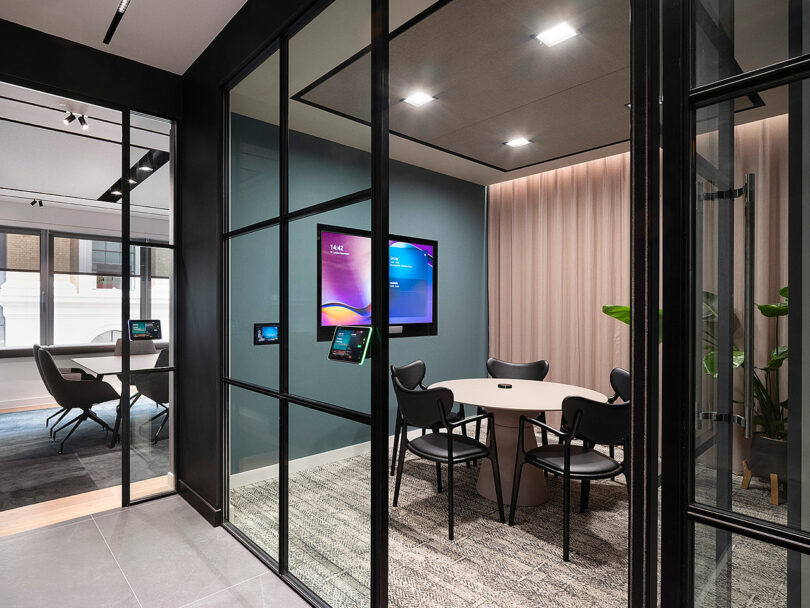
[
  {"x": 253, "y": 467},
  {"x": 254, "y": 299},
  {"x": 321, "y": 140},
  {"x": 736, "y": 571},
  {"x": 150, "y": 426},
  {"x": 151, "y": 179},
  {"x": 735, "y": 36},
  {"x": 254, "y": 146},
  {"x": 311, "y": 373},
  {"x": 743, "y": 255},
  {"x": 19, "y": 291},
  {"x": 330, "y": 502}
]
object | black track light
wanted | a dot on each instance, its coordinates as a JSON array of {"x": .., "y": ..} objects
[
  {"x": 69, "y": 118},
  {"x": 83, "y": 122},
  {"x": 33, "y": 203},
  {"x": 40, "y": 202}
]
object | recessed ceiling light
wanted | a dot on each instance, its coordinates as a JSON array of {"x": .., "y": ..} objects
[
  {"x": 132, "y": 181},
  {"x": 558, "y": 33},
  {"x": 518, "y": 142},
  {"x": 115, "y": 192},
  {"x": 418, "y": 99}
]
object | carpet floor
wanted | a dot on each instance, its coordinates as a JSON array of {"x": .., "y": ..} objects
[
  {"x": 32, "y": 470},
  {"x": 488, "y": 564}
]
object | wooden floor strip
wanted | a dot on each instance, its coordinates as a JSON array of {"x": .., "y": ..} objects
[{"x": 56, "y": 511}]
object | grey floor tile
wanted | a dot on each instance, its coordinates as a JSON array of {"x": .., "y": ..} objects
[
  {"x": 265, "y": 591},
  {"x": 67, "y": 566},
  {"x": 171, "y": 556}
]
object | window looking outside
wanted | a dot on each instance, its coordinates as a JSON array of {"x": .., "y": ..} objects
[{"x": 19, "y": 288}]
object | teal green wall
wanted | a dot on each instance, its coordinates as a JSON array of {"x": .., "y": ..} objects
[{"x": 423, "y": 204}]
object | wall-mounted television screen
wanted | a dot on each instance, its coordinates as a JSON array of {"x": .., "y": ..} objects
[{"x": 344, "y": 282}]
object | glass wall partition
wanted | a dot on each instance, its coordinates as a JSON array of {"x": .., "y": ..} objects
[
  {"x": 86, "y": 225},
  {"x": 744, "y": 150},
  {"x": 298, "y": 248}
]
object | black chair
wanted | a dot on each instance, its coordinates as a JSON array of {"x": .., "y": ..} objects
[
  {"x": 71, "y": 373},
  {"x": 595, "y": 423},
  {"x": 155, "y": 386},
  {"x": 74, "y": 394},
  {"x": 410, "y": 376},
  {"x": 536, "y": 370},
  {"x": 136, "y": 347},
  {"x": 620, "y": 383},
  {"x": 429, "y": 409}
]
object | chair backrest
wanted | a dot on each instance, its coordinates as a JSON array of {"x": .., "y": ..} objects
[
  {"x": 138, "y": 347},
  {"x": 620, "y": 382},
  {"x": 155, "y": 385},
  {"x": 599, "y": 422},
  {"x": 536, "y": 370},
  {"x": 422, "y": 408},
  {"x": 411, "y": 374},
  {"x": 37, "y": 350}
]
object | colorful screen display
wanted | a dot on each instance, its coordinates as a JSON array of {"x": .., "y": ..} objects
[
  {"x": 350, "y": 344},
  {"x": 265, "y": 333},
  {"x": 345, "y": 264},
  {"x": 145, "y": 330}
]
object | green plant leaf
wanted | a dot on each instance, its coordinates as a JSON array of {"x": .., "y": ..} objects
[
  {"x": 778, "y": 356},
  {"x": 710, "y": 361},
  {"x": 622, "y": 313},
  {"x": 784, "y": 292},
  {"x": 774, "y": 310},
  {"x": 709, "y": 306}
]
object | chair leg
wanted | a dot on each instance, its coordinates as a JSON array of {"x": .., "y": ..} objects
[
  {"x": 515, "y": 489},
  {"x": 543, "y": 432},
  {"x": 92, "y": 416},
  {"x": 403, "y": 446},
  {"x": 81, "y": 419},
  {"x": 68, "y": 423},
  {"x": 496, "y": 473},
  {"x": 566, "y": 514},
  {"x": 397, "y": 429},
  {"x": 162, "y": 424},
  {"x": 584, "y": 494},
  {"x": 439, "y": 477},
  {"x": 612, "y": 452},
  {"x": 450, "y": 499},
  {"x": 478, "y": 412},
  {"x": 58, "y": 420},
  {"x": 48, "y": 419}
]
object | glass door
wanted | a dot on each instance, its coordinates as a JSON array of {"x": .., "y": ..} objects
[
  {"x": 735, "y": 504},
  {"x": 299, "y": 256}
]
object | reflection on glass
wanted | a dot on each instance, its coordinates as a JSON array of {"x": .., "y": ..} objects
[
  {"x": 742, "y": 258},
  {"x": 311, "y": 373},
  {"x": 150, "y": 427},
  {"x": 253, "y": 298},
  {"x": 732, "y": 570},
  {"x": 735, "y": 36},
  {"x": 253, "y": 467},
  {"x": 322, "y": 141},
  {"x": 254, "y": 146},
  {"x": 330, "y": 505}
]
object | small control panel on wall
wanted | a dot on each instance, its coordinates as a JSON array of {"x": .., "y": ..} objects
[
  {"x": 265, "y": 333},
  {"x": 350, "y": 344}
]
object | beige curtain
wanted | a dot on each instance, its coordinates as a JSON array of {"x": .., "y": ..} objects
[{"x": 559, "y": 249}]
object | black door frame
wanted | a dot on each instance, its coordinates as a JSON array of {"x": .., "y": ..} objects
[
  {"x": 679, "y": 512},
  {"x": 377, "y": 420}
]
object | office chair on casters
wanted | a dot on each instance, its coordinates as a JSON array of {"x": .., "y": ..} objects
[
  {"x": 595, "y": 423},
  {"x": 155, "y": 386},
  {"x": 535, "y": 370},
  {"x": 71, "y": 373},
  {"x": 428, "y": 409},
  {"x": 74, "y": 394},
  {"x": 411, "y": 376}
]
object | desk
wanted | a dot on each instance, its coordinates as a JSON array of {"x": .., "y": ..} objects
[
  {"x": 112, "y": 364},
  {"x": 525, "y": 398}
]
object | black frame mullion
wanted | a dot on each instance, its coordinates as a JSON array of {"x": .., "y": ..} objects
[
  {"x": 125, "y": 312},
  {"x": 284, "y": 309},
  {"x": 644, "y": 255}
]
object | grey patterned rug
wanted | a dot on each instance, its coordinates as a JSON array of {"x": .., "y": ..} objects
[{"x": 489, "y": 564}]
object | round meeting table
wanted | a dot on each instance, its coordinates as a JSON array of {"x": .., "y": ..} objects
[{"x": 524, "y": 398}]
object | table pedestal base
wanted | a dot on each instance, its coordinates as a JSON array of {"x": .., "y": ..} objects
[{"x": 532, "y": 481}]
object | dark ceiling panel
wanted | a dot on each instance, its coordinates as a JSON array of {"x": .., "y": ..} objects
[{"x": 492, "y": 81}]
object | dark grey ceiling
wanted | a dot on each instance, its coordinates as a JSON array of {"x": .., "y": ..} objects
[{"x": 494, "y": 82}]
